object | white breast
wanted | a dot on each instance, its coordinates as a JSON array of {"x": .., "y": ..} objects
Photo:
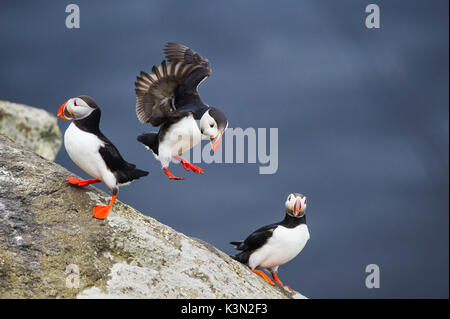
[
  {"x": 283, "y": 246},
  {"x": 183, "y": 135},
  {"x": 83, "y": 149},
  {"x": 180, "y": 137}
]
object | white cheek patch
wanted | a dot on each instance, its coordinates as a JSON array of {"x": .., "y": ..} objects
[
  {"x": 291, "y": 202},
  {"x": 82, "y": 112},
  {"x": 304, "y": 203},
  {"x": 205, "y": 122}
]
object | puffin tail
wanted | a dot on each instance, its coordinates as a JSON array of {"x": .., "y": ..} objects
[
  {"x": 129, "y": 174},
  {"x": 239, "y": 244},
  {"x": 236, "y": 243},
  {"x": 242, "y": 257},
  {"x": 150, "y": 140},
  {"x": 136, "y": 173}
]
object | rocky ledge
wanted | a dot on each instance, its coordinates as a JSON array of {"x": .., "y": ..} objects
[
  {"x": 51, "y": 247},
  {"x": 35, "y": 129}
]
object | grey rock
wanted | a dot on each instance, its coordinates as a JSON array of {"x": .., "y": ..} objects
[
  {"x": 33, "y": 128},
  {"x": 52, "y": 247}
]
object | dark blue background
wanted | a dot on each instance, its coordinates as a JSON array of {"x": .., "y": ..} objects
[{"x": 362, "y": 117}]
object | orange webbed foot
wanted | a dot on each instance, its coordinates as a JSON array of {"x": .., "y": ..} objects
[
  {"x": 265, "y": 277},
  {"x": 81, "y": 182},
  {"x": 193, "y": 168},
  {"x": 100, "y": 211},
  {"x": 188, "y": 165},
  {"x": 176, "y": 178},
  {"x": 171, "y": 176}
]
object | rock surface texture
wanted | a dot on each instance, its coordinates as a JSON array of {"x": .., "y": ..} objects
[
  {"x": 52, "y": 247},
  {"x": 35, "y": 129}
]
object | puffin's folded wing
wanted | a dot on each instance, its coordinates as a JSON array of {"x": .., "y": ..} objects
[
  {"x": 259, "y": 237},
  {"x": 111, "y": 155},
  {"x": 124, "y": 171},
  {"x": 154, "y": 92}
]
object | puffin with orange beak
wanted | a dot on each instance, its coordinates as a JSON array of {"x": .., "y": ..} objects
[
  {"x": 276, "y": 244},
  {"x": 168, "y": 97},
  {"x": 93, "y": 152}
]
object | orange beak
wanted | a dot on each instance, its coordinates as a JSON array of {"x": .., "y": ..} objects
[
  {"x": 61, "y": 111},
  {"x": 297, "y": 207},
  {"x": 215, "y": 143}
]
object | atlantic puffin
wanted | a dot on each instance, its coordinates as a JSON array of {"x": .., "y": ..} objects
[
  {"x": 169, "y": 98},
  {"x": 276, "y": 244},
  {"x": 93, "y": 152}
]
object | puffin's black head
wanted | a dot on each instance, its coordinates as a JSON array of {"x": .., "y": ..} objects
[
  {"x": 212, "y": 124},
  {"x": 295, "y": 205},
  {"x": 77, "y": 108}
]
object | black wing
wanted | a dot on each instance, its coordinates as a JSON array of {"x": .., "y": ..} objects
[
  {"x": 124, "y": 171},
  {"x": 154, "y": 92},
  {"x": 187, "y": 92},
  {"x": 111, "y": 155},
  {"x": 256, "y": 239}
]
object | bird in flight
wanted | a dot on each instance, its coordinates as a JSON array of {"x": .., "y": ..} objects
[{"x": 169, "y": 98}]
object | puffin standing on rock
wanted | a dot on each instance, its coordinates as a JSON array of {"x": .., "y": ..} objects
[
  {"x": 276, "y": 244},
  {"x": 93, "y": 152},
  {"x": 169, "y": 98}
]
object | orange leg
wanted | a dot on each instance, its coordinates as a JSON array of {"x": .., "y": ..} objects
[
  {"x": 171, "y": 176},
  {"x": 188, "y": 165},
  {"x": 262, "y": 274},
  {"x": 100, "y": 211},
  {"x": 81, "y": 182},
  {"x": 277, "y": 280}
]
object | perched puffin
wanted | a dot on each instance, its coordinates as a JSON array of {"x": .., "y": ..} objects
[
  {"x": 169, "y": 98},
  {"x": 276, "y": 244},
  {"x": 93, "y": 152}
]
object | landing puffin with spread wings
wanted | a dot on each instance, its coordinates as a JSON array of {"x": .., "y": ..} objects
[{"x": 168, "y": 97}]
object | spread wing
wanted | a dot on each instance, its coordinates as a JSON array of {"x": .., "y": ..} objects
[
  {"x": 154, "y": 92},
  {"x": 187, "y": 92}
]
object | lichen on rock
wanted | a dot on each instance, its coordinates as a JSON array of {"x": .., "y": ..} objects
[
  {"x": 35, "y": 129},
  {"x": 47, "y": 230}
]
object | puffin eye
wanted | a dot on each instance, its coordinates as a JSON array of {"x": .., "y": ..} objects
[
  {"x": 75, "y": 102},
  {"x": 211, "y": 125}
]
